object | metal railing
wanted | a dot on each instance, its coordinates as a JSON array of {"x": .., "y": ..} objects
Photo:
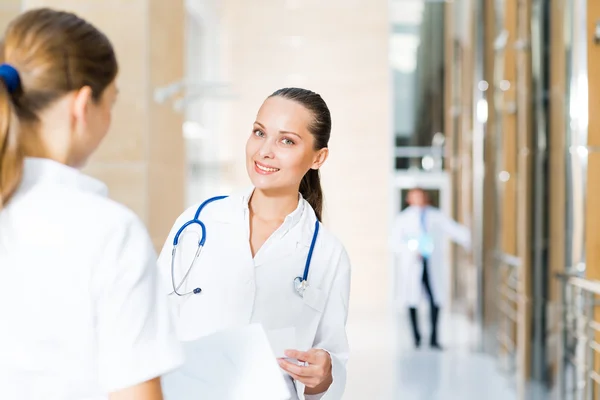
[
  {"x": 509, "y": 299},
  {"x": 578, "y": 352}
]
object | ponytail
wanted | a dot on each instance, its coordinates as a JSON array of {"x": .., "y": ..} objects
[
  {"x": 310, "y": 189},
  {"x": 11, "y": 157},
  {"x": 56, "y": 53}
]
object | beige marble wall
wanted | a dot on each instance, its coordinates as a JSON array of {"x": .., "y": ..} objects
[
  {"x": 142, "y": 159},
  {"x": 8, "y": 10},
  {"x": 166, "y": 151},
  {"x": 339, "y": 49}
]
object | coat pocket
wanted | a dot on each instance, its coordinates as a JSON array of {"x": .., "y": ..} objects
[{"x": 315, "y": 298}]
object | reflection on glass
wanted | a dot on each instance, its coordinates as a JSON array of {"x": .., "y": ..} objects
[
  {"x": 416, "y": 57},
  {"x": 576, "y": 129},
  {"x": 201, "y": 108}
]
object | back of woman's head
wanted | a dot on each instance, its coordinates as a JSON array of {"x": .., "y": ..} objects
[
  {"x": 320, "y": 128},
  {"x": 46, "y": 54}
]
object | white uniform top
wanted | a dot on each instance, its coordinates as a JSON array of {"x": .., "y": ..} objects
[
  {"x": 409, "y": 225},
  {"x": 80, "y": 314},
  {"x": 238, "y": 289}
]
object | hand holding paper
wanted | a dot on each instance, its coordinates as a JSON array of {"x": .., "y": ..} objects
[
  {"x": 316, "y": 376},
  {"x": 229, "y": 365}
]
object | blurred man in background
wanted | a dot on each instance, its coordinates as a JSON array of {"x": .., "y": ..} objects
[{"x": 418, "y": 239}]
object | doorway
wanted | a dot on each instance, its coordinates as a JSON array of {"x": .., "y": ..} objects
[{"x": 437, "y": 186}]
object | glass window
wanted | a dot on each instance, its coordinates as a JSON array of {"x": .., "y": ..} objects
[{"x": 416, "y": 57}]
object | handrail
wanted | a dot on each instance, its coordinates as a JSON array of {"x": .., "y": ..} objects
[
  {"x": 566, "y": 275},
  {"x": 508, "y": 259},
  {"x": 589, "y": 285},
  {"x": 578, "y": 348},
  {"x": 510, "y": 308}
]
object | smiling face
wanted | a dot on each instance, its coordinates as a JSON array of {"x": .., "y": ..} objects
[{"x": 281, "y": 149}]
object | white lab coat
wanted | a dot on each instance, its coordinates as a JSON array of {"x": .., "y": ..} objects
[
  {"x": 440, "y": 227},
  {"x": 238, "y": 289},
  {"x": 80, "y": 310}
]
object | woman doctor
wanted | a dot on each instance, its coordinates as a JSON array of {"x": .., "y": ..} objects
[
  {"x": 80, "y": 312},
  {"x": 258, "y": 242}
]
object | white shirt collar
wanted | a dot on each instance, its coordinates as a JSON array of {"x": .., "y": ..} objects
[{"x": 43, "y": 170}]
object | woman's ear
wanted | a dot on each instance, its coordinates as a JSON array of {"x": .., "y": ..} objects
[
  {"x": 320, "y": 158},
  {"x": 81, "y": 105}
]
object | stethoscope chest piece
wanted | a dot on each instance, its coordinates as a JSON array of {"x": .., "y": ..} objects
[{"x": 300, "y": 285}]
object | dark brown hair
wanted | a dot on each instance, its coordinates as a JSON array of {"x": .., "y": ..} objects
[
  {"x": 320, "y": 128},
  {"x": 54, "y": 53}
]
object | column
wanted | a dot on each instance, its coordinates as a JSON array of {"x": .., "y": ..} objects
[
  {"x": 556, "y": 169},
  {"x": 593, "y": 175}
]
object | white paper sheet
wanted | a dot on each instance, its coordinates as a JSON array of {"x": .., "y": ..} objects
[
  {"x": 228, "y": 365},
  {"x": 282, "y": 340}
]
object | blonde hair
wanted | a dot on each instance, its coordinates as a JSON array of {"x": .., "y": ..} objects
[{"x": 54, "y": 53}]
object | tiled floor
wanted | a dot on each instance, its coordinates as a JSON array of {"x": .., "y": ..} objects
[{"x": 385, "y": 366}]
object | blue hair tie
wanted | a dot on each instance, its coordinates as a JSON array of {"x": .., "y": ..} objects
[{"x": 10, "y": 76}]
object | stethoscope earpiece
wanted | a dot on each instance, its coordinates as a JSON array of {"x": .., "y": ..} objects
[{"x": 197, "y": 290}]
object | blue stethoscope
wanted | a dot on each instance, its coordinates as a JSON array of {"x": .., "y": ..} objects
[{"x": 300, "y": 283}]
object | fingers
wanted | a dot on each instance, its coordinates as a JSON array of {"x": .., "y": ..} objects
[
  {"x": 309, "y": 376},
  {"x": 308, "y": 382},
  {"x": 297, "y": 370},
  {"x": 312, "y": 356},
  {"x": 312, "y": 375},
  {"x": 300, "y": 355}
]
